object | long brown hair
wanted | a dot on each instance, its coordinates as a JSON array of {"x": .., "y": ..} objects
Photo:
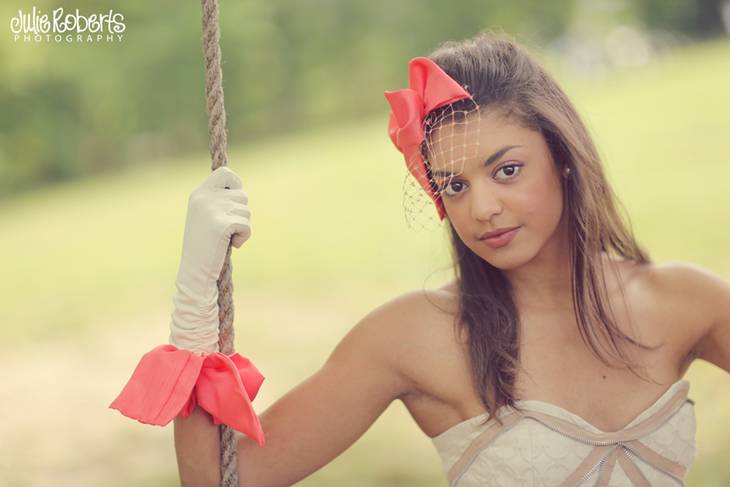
[{"x": 501, "y": 75}]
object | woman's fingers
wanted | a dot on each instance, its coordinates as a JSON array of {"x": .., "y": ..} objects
[
  {"x": 223, "y": 177},
  {"x": 238, "y": 240},
  {"x": 240, "y": 232},
  {"x": 237, "y": 222},
  {"x": 237, "y": 195},
  {"x": 237, "y": 215},
  {"x": 240, "y": 210}
]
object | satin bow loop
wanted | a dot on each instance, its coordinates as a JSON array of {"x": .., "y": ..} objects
[
  {"x": 429, "y": 88},
  {"x": 169, "y": 382}
]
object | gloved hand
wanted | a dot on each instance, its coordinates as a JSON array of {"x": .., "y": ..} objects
[{"x": 215, "y": 215}]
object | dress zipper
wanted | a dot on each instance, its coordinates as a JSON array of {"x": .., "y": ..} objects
[{"x": 626, "y": 450}]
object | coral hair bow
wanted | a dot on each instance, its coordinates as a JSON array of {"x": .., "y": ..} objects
[
  {"x": 430, "y": 88},
  {"x": 169, "y": 382}
]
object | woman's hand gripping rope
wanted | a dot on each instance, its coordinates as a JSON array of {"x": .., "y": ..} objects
[{"x": 171, "y": 379}]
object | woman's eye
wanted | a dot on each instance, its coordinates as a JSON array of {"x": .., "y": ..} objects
[
  {"x": 509, "y": 170},
  {"x": 459, "y": 185}
]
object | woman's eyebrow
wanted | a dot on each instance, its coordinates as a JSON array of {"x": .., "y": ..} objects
[{"x": 490, "y": 160}]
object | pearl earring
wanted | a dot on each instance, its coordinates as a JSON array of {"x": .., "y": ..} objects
[{"x": 566, "y": 171}]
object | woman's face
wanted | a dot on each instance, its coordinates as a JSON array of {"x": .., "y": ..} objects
[{"x": 503, "y": 177}]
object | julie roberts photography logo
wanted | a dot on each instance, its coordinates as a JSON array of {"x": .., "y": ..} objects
[{"x": 60, "y": 25}]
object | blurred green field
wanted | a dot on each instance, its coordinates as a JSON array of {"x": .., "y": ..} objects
[{"x": 97, "y": 257}]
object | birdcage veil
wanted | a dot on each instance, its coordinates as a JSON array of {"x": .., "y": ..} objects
[
  {"x": 434, "y": 123},
  {"x": 451, "y": 137}
]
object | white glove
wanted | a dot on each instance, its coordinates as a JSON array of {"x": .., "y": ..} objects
[{"x": 214, "y": 215}]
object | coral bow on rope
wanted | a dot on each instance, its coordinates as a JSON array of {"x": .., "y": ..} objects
[
  {"x": 430, "y": 88},
  {"x": 169, "y": 382}
]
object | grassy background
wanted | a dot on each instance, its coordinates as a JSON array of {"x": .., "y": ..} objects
[{"x": 89, "y": 271}]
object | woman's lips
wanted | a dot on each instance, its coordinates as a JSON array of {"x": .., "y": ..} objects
[{"x": 502, "y": 239}]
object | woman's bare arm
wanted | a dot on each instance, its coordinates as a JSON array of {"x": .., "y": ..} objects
[
  {"x": 711, "y": 299},
  {"x": 197, "y": 449},
  {"x": 700, "y": 300},
  {"x": 315, "y": 421}
]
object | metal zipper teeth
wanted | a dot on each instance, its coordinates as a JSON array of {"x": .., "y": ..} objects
[
  {"x": 632, "y": 454},
  {"x": 582, "y": 440},
  {"x": 557, "y": 430},
  {"x": 597, "y": 467}
]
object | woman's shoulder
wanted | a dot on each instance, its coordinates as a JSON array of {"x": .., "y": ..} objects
[
  {"x": 426, "y": 337},
  {"x": 682, "y": 293},
  {"x": 422, "y": 301},
  {"x": 684, "y": 274},
  {"x": 430, "y": 308},
  {"x": 398, "y": 337},
  {"x": 660, "y": 278},
  {"x": 419, "y": 313},
  {"x": 414, "y": 328},
  {"x": 674, "y": 283}
]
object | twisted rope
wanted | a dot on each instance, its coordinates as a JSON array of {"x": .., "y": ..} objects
[{"x": 218, "y": 143}]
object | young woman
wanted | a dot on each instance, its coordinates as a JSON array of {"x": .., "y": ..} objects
[{"x": 557, "y": 354}]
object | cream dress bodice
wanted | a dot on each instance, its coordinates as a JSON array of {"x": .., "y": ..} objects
[{"x": 548, "y": 446}]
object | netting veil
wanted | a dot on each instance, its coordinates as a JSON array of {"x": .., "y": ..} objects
[{"x": 435, "y": 125}]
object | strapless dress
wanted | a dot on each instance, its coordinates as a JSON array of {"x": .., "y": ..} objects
[{"x": 546, "y": 445}]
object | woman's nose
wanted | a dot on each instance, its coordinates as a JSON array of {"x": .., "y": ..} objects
[{"x": 485, "y": 204}]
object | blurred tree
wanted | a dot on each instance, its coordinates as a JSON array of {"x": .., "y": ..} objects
[
  {"x": 75, "y": 108},
  {"x": 697, "y": 18}
]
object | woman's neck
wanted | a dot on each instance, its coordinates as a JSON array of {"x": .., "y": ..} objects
[{"x": 545, "y": 281}]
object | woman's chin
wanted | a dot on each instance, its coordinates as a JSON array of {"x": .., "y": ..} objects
[
  {"x": 504, "y": 264},
  {"x": 504, "y": 259}
]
